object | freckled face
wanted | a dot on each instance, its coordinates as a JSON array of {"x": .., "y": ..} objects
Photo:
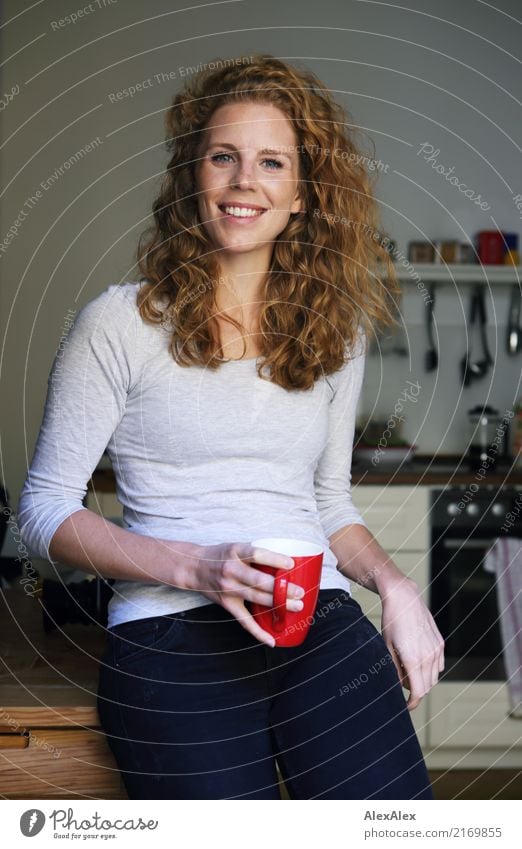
[{"x": 246, "y": 194}]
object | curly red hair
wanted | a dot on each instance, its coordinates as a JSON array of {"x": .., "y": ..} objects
[{"x": 330, "y": 272}]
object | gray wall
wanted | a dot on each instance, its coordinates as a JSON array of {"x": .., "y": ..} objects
[{"x": 442, "y": 74}]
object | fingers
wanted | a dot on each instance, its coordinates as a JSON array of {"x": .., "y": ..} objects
[
  {"x": 417, "y": 652},
  {"x": 416, "y": 691},
  {"x": 411, "y": 679},
  {"x": 245, "y": 618},
  {"x": 256, "y": 586},
  {"x": 266, "y": 596},
  {"x": 438, "y": 655},
  {"x": 420, "y": 677},
  {"x": 267, "y": 558},
  {"x": 238, "y": 582},
  {"x": 411, "y": 676}
]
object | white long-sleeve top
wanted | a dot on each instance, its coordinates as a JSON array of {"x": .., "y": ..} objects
[{"x": 198, "y": 455}]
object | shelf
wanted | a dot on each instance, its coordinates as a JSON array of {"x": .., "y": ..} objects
[{"x": 464, "y": 273}]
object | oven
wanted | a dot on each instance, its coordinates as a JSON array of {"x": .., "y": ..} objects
[{"x": 463, "y": 597}]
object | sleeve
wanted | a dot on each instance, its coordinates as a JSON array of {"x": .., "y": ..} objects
[
  {"x": 332, "y": 479},
  {"x": 86, "y": 397}
]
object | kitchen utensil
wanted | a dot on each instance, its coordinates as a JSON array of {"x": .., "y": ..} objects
[
  {"x": 432, "y": 357},
  {"x": 484, "y": 364},
  {"x": 467, "y": 368},
  {"x": 290, "y": 628},
  {"x": 475, "y": 369},
  {"x": 514, "y": 331}
]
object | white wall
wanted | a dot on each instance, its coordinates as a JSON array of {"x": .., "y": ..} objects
[{"x": 408, "y": 77}]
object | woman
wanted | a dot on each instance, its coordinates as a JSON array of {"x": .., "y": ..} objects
[{"x": 224, "y": 385}]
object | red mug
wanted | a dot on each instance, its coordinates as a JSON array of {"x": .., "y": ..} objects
[
  {"x": 491, "y": 247},
  {"x": 288, "y": 627}
]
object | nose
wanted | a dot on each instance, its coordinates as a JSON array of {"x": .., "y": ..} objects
[{"x": 243, "y": 177}]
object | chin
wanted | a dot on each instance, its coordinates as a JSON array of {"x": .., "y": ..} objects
[{"x": 242, "y": 247}]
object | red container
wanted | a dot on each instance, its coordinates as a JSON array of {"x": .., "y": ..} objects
[
  {"x": 290, "y": 628},
  {"x": 491, "y": 247}
]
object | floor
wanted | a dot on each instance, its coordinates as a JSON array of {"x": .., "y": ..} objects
[{"x": 471, "y": 784}]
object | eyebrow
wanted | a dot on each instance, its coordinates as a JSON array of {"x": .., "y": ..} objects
[{"x": 266, "y": 150}]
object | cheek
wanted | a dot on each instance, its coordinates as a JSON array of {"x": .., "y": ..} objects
[{"x": 203, "y": 180}]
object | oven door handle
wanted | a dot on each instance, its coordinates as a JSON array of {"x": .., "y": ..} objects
[{"x": 467, "y": 543}]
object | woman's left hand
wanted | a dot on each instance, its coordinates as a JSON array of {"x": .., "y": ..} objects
[{"x": 413, "y": 639}]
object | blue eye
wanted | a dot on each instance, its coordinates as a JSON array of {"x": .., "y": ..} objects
[
  {"x": 217, "y": 155},
  {"x": 217, "y": 158}
]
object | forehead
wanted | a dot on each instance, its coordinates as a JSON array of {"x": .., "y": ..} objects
[{"x": 252, "y": 124}]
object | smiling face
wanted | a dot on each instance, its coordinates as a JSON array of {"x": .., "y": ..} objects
[{"x": 247, "y": 177}]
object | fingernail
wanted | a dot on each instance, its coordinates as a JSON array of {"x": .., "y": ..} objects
[
  {"x": 299, "y": 592},
  {"x": 295, "y": 604}
]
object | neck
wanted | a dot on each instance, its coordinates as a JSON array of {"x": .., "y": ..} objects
[{"x": 241, "y": 282}]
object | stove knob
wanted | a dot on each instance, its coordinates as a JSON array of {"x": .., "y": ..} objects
[
  {"x": 453, "y": 509},
  {"x": 473, "y": 509}
]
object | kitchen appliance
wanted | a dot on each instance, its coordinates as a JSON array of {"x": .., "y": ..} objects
[
  {"x": 488, "y": 437},
  {"x": 465, "y": 522}
]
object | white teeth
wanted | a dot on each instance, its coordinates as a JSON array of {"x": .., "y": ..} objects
[{"x": 240, "y": 212}]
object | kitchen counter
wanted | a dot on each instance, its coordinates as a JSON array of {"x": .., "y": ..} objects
[{"x": 425, "y": 470}]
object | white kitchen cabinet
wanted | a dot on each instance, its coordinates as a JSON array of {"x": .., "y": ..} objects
[
  {"x": 398, "y": 518},
  {"x": 397, "y": 515},
  {"x": 465, "y": 713}
]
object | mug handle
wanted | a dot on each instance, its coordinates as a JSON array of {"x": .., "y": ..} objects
[{"x": 279, "y": 609}]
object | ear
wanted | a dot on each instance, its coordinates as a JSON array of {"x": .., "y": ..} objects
[{"x": 297, "y": 203}]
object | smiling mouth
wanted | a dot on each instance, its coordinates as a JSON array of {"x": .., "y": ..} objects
[{"x": 241, "y": 211}]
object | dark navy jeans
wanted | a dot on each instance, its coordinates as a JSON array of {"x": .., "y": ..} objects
[{"x": 194, "y": 707}]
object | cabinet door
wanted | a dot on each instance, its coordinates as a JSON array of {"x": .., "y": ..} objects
[
  {"x": 466, "y": 713},
  {"x": 398, "y": 516}
]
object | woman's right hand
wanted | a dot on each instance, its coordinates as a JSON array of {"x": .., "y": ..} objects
[{"x": 224, "y": 575}]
